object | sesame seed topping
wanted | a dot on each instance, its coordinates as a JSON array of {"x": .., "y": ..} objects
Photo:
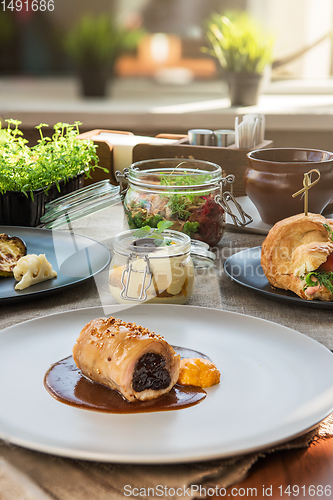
[{"x": 115, "y": 326}]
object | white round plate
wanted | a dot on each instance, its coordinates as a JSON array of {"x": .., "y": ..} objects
[{"x": 276, "y": 384}]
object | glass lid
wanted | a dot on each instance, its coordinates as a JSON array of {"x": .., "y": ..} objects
[
  {"x": 174, "y": 243},
  {"x": 174, "y": 172},
  {"x": 201, "y": 255},
  {"x": 80, "y": 203},
  {"x": 154, "y": 243}
]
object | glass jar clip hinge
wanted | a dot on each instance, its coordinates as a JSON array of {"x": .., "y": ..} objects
[
  {"x": 121, "y": 176},
  {"x": 223, "y": 200},
  {"x": 129, "y": 270}
]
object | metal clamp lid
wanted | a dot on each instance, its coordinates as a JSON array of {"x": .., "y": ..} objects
[
  {"x": 129, "y": 270},
  {"x": 121, "y": 176},
  {"x": 228, "y": 179},
  {"x": 223, "y": 202}
]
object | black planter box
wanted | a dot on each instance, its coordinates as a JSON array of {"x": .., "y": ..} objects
[{"x": 16, "y": 209}]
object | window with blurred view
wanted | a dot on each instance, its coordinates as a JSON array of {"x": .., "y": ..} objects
[{"x": 31, "y": 42}]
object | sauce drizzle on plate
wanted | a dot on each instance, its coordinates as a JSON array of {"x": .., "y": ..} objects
[{"x": 65, "y": 382}]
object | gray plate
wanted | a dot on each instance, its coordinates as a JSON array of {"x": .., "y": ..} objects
[
  {"x": 244, "y": 267},
  {"x": 73, "y": 257}
]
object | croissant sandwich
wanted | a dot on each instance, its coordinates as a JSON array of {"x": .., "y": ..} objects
[
  {"x": 297, "y": 255},
  {"x": 136, "y": 362}
]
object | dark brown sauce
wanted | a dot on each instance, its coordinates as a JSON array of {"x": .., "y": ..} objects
[{"x": 65, "y": 382}]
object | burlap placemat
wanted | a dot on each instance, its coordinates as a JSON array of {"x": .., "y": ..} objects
[{"x": 28, "y": 475}]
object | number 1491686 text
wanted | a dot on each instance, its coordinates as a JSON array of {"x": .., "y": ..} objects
[{"x": 27, "y": 5}]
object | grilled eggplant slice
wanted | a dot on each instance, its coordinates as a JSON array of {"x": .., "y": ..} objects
[{"x": 12, "y": 248}]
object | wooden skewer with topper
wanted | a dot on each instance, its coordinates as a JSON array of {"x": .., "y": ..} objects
[{"x": 307, "y": 184}]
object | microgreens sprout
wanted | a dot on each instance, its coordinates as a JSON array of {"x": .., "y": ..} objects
[{"x": 51, "y": 160}]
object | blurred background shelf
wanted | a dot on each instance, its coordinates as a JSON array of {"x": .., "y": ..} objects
[{"x": 143, "y": 106}]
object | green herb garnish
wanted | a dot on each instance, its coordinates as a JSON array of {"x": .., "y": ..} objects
[
  {"x": 329, "y": 229},
  {"x": 309, "y": 281},
  {"x": 324, "y": 278},
  {"x": 182, "y": 205},
  {"x": 186, "y": 179},
  {"x": 190, "y": 228},
  {"x": 179, "y": 206},
  {"x": 148, "y": 232}
]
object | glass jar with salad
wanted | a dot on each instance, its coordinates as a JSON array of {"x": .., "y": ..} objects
[{"x": 185, "y": 192}]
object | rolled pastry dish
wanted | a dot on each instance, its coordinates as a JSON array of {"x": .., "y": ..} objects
[{"x": 136, "y": 362}]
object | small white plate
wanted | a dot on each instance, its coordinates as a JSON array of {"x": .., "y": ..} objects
[{"x": 275, "y": 385}]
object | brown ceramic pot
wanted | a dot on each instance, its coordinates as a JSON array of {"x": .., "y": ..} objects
[{"x": 275, "y": 174}]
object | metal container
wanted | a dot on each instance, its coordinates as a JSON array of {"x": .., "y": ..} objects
[
  {"x": 200, "y": 137},
  {"x": 224, "y": 138}
]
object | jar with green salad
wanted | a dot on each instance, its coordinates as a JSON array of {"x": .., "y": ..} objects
[{"x": 187, "y": 193}]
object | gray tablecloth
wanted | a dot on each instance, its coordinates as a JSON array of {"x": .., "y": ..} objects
[
  {"x": 30, "y": 475},
  {"x": 217, "y": 291}
]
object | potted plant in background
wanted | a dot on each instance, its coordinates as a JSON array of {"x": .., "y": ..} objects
[
  {"x": 94, "y": 44},
  {"x": 32, "y": 176},
  {"x": 243, "y": 50}
]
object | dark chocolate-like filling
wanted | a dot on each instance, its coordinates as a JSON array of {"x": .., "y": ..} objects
[{"x": 150, "y": 373}]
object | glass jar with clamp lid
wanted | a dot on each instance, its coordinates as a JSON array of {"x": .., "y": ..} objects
[{"x": 157, "y": 269}]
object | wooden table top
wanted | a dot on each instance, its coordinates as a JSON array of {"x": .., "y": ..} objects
[{"x": 303, "y": 473}]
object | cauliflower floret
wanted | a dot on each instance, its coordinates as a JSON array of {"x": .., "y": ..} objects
[
  {"x": 32, "y": 269},
  {"x": 198, "y": 372}
]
